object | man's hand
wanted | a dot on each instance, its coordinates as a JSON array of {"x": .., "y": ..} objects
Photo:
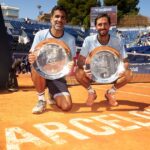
[
  {"x": 32, "y": 57},
  {"x": 87, "y": 72},
  {"x": 70, "y": 65}
]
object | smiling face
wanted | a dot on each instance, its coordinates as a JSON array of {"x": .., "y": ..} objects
[
  {"x": 58, "y": 20},
  {"x": 102, "y": 26}
]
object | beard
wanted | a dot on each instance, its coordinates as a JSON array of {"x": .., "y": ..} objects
[
  {"x": 58, "y": 28},
  {"x": 103, "y": 32}
]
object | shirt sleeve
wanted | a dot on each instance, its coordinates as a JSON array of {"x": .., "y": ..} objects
[
  {"x": 122, "y": 49},
  {"x": 118, "y": 44},
  {"x": 35, "y": 41},
  {"x": 84, "y": 50},
  {"x": 73, "y": 47}
]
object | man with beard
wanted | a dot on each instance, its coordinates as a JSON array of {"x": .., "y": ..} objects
[
  {"x": 58, "y": 87},
  {"x": 102, "y": 38}
]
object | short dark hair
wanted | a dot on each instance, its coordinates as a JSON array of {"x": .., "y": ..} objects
[
  {"x": 102, "y": 15},
  {"x": 57, "y": 7}
]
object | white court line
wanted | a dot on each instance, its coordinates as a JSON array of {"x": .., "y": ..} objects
[
  {"x": 140, "y": 86},
  {"x": 132, "y": 93}
]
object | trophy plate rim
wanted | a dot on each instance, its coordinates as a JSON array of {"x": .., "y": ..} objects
[
  {"x": 116, "y": 54},
  {"x": 40, "y": 71}
]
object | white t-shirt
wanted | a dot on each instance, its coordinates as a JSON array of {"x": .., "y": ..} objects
[
  {"x": 44, "y": 34},
  {"x": 91, "y": 42}
]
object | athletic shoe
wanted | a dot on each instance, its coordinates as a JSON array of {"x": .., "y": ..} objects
[
  {"x": 12, "y": 89},
  {"x": 91, "y": 97},
  {"x": 111, "y": 99},
  {"x": 51, "y": 101},
  {"x": 40, "y": 107}
]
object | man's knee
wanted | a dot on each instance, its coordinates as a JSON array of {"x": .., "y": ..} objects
[
  {"x": 66, "y": 106},
  {"x": 129, "y": 75},
  {"x": 64, "y": 102}
]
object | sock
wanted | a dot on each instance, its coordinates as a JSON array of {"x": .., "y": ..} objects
[
  {"x": 112, "y": 90},
  {"x": 41, "y": 96},
  {"x": 90, "y": 89}
]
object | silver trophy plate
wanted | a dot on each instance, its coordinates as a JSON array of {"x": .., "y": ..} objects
[
  {"x": 105, "y": 64},
  {"x": 52, "y": 58}
]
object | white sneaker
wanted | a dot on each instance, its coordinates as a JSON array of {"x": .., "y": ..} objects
[
  {"x": 110, "y": 97},
  {"x": 40, "y": 107},
  {"x": 91, "y": 97},
  {"x": 51, "y": 101}
]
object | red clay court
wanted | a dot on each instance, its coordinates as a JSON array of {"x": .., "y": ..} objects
[{"x": 126, "y": 127}]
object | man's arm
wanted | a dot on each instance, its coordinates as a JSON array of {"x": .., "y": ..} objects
[
  {"x": 81, "y": 61},
  {"x": 126, "y": 63}
]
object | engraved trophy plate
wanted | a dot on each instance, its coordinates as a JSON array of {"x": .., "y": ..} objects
[
  {"x": 105, "y": 64},
  {"x": 52, "y": 59}
]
